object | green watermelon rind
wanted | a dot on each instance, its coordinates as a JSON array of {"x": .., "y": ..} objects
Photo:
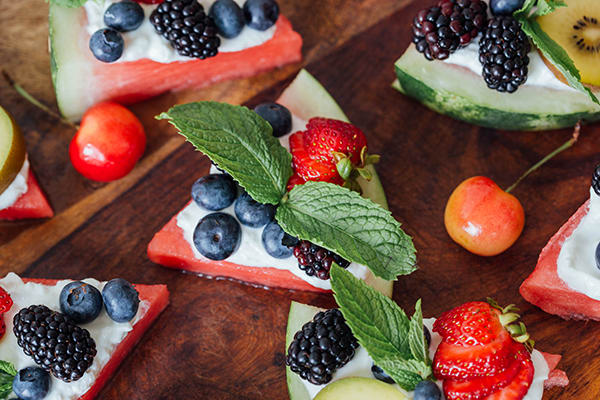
[{"x": 462, "y": 94}]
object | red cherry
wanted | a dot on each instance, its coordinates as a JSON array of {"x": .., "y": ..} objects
[{"x": 108, "y": 144}]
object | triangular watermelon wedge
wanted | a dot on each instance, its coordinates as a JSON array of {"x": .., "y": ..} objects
[
  {"x": 32, "y": 204},
  {"x": 305, "y": 97},
  {"x": 545, "y": 289},
  {"x": 81, "y": 81},
  {"x": 157, "y": 299}
]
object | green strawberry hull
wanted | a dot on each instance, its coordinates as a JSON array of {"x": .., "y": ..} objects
[{"x": 462, "y": 94}]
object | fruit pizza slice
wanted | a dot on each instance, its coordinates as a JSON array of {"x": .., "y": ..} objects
[
  {"x": 20, "y": 194},
  {"x": 251, "y": 232},
  {"x": 566, "y": 279},
  {"x": 63, "y": 340},
  {"x": 495, "y": 63},
  {"x": 124, "y": 51},
  {"x": 369, "y": 348}
]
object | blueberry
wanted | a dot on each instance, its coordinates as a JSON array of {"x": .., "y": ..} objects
[
  {"x": 598, "y": 256},
  {"x": 217, "y": 236},
  {"x": 121, "y": 300},
  {"x": 124, "y": 16},
  {"x": 214, "y": 192},
  {"x": 228, "y": 18},
  {"x": 252, "y": 213},
  {"x": 505, "y": 7},
  {"x": 81, "y": 302},
  {"x": 261, "y": 14},
  {"x": 107, "y": 45},
  {"x": 277, "y": 115},
  {"x": 276, "y": 242},
  {"x": 427, "y": 390},
  {"x": 31, "y": 383},
  {"x": 380, "y": 374}
]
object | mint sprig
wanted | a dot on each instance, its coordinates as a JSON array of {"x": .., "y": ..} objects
[
  {"x": 394, "y": 342},
  {"x": 354, "y": 227},
  {"x": 240, "y": 142},
  {"x": 68, "y": 3},
  {"x": 549, "y": 48},
  {"x": 7, "y": 375}
]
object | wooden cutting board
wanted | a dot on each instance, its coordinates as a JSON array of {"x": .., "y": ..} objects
[{"x": 224, "y": 340}]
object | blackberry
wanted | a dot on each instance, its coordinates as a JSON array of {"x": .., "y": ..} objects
[
  {"x": 503, "y": 51},
  {"x": 321, "y": 347},
  {"x": 54, "y": 342},
  {"x": 315, "y": 260},
  {"x": 440, "y": 30},
  {"x": 187, "y": 27},
  {"x": 596, "y": 180}
]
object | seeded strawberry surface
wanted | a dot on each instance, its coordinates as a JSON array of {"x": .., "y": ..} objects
[
  {"x": 324, "y": 137},
  {"x": 310, "y": 169},
  {"x": 472, "y": 324},
  {"x": 5, "y": 301}
]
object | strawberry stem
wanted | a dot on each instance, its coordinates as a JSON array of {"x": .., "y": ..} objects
[
  {"x": 560, "y": 149},
  {"x": 19, "y": 89}
]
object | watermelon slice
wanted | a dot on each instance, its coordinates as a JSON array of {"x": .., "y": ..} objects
[
  {"x": 301, "y": 313},
  {"x": 157, "y": 298},
  {"x": 32, "y": 204},
  {"x": 462, "y": 94},
  {"x": 305, "y": 98},
  {"x": 545, "y": 289},
  {"x": 81, "y": 81}
]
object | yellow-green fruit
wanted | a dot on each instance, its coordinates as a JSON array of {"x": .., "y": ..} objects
[
  {"x": 360, "y": 389},
  {"x": 12, "y": 150},
  {"x": 576, "y": 28}
]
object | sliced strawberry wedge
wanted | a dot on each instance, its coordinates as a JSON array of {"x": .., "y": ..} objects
[
  {"x": 518, "y": 388},
  {"x": 311, "y": 169},
  {"x": 324, "y": 136},
  {"x": 452, "y": 361},
  {"x": 471, "y": 324},
  {"x": 5, "y": 305},
  {"x": 481, "y": 387}
]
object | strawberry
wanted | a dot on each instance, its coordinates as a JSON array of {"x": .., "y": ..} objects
[
  {"x": 294, "y": 180},
  {"x": 481, "y": 387},
  {"x": 308, "y": 168},
  {"x": 519, "y": 386},
  {"x": 472, "y": 324},
  {"x": 452, "y": 361},
  {"x": 325, "y": 136},
  {"x": 5, "y": 301}
]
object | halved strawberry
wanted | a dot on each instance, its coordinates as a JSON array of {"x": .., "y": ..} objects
[
  {"x": 458, "y": 362},
  {"x": 294, "y": 180},
  {"x": 474, "y": 323},
  {"x": 325, "y": 136},
  {"x": 481, "y": 387},
  {"x": 310, "y": 169},
  {"x": 5, "y": 301},
  {"x": 519, "y": 386}
]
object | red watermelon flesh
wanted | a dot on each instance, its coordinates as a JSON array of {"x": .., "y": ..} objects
[
  {"x": 169, "y": 248},
  {"x": 157, "y": 297},
  {"x": 32, "y": 204},
  {"x": 545, "y": 289}
]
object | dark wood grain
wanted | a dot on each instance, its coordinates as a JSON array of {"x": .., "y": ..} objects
[{"x": 224, "y": 340}]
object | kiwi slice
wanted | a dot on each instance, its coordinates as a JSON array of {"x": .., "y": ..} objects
[
  {"x": 576, "y": 28},
  {"x": 12, "y": 150}
]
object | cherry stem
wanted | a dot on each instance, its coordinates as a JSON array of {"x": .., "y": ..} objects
[
  {"x": 560, "y": 149},
  {"x": 19, "y": 89}
]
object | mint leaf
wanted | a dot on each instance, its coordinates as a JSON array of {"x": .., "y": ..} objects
[
  {"x": 556, "y": 54},
  {"x": 382, "y": 328},
  {"x": 346, "y": 223},
  {"x": 534, "y": 8},
  {"x": 69, "y": 3},
  {"x": 7, "y": 374},
  {"x": 416, "y": 336},
  {"x": 240, "y": 142},
  {"x": 7, "y": 368}
]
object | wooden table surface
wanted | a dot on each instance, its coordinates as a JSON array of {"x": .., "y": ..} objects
[{"x": 224, "y": 340}]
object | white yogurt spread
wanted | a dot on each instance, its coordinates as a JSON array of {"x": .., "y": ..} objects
[
  {"x": 106, "y": 333},
  {"x": 576, "y": 264},
  {"x": 360, "y": 366},
  {"x": 17, "y": 188},
  {"x": 251, "y": 251},
  {"x": 145, "y": 42},
  {"x": 538, "y": 73}
]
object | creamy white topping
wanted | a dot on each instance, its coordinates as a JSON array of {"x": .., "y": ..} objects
[
  {"x": 576, "y": 264},
  {"x": 251, "y": 251},
  {"x": 360, "y": 366},
  {"x": 106, "y": 333},
  {"x": 538, "y": 75},
  {"x": 17, "y": 188},
  {"x": 145, "y": 42}
]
